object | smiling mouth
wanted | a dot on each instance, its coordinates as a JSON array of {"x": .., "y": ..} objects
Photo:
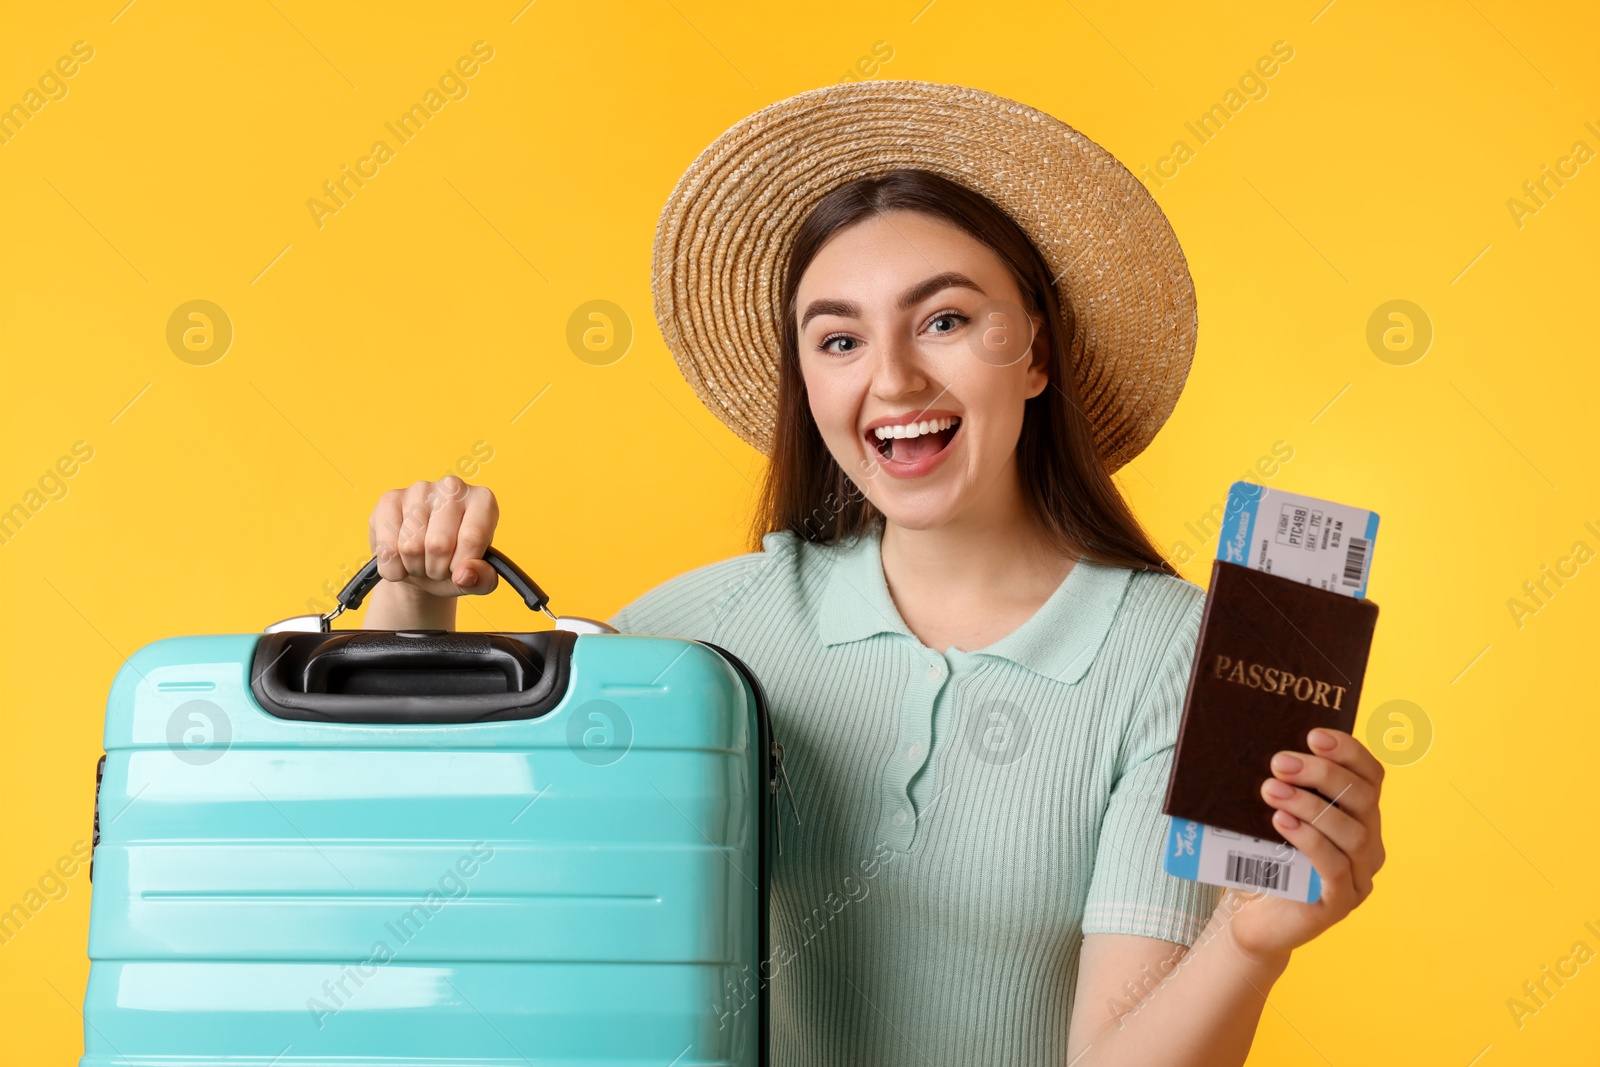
[{"x": 919, "y": 445}]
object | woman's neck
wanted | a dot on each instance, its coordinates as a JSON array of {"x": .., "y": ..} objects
[{"x": 973, "y": 580}]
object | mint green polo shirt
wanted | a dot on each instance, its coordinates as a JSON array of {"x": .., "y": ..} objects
[{"x": 967, "y": 816}]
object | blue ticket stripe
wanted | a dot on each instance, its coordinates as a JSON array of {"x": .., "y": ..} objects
[
  {"x": 1183, "y": 848},
  {"x": 1372, "y": 540},
  {"x": 1239, "y": 523}
]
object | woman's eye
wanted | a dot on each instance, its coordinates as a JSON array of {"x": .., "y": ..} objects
[
  {"x": 953, "y": 317},
  {"x": 826, "y": 341}
]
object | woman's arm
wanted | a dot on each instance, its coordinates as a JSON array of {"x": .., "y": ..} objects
[
  {"x": 1141, "y": 1000},
  {"x": 429, "y": 541},
  {"x": 1202, "y": 1010}
]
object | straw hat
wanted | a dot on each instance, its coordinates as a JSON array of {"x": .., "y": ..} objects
[{"x": 725, "y": 234}]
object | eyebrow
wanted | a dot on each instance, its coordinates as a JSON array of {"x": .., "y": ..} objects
[{"x": 913, "y": 296}]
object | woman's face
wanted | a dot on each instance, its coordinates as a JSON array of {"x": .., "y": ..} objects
[{"x": 908, "y": 323}]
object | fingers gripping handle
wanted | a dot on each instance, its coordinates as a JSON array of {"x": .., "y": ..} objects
[{"x": 351, "y": 596}]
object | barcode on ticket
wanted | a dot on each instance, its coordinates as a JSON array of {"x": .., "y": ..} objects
[
  {"x": 1221, "y": 857},
  {"x": 1256, "y": 872}
]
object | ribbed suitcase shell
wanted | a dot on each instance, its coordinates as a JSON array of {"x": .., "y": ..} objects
[{"x": 267, "y": 900}]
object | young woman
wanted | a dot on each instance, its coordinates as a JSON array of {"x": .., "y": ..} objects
[{"x": 975, "y": 657}]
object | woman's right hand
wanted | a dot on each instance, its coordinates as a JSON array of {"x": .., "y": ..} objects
[{"x": 429, "y": 540}]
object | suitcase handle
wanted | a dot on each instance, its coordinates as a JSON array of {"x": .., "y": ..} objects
[
  {"x": 351, "y": 596},
  {"x": 446, "y": 677},
  {"x": 418, "y": 663}
]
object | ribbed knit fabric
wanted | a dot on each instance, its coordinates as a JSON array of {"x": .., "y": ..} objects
[{"x": 967, "y": 817}]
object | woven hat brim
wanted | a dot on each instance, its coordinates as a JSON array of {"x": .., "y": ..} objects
[{"x": 724, "y": 235}]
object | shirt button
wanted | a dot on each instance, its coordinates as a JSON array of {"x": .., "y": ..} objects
[
  {"x": 933, "y": 671},
  {"x": 900, "y": 817},
  {"x": 915, "y": 751}
]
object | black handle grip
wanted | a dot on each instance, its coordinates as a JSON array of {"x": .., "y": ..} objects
[
  {"x": 365, "y": 582},
  {"x": 362, "y": 676},
  {"x": 418, "y": 663}
]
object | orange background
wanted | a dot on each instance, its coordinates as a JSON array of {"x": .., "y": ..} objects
[{"x": 429, "y": 316}]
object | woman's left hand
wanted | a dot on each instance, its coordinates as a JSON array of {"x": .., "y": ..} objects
[{"x": 1344, "y": 842}]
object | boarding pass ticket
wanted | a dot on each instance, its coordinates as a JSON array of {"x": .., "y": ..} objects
[{"x": 1314, "y": 541}]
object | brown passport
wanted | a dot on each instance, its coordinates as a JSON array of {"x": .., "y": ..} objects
[{"x": 1275, "y": 657}]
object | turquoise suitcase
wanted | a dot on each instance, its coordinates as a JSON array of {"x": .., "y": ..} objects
[{"x": 367, "y": 847}]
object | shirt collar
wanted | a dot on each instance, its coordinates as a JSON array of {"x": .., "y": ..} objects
[{"x": 1059, "y": 641}]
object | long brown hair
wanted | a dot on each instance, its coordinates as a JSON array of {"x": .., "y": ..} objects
[{"x": 1064, "y": 478}]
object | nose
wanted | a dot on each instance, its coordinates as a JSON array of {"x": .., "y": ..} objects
[{"x": 897, "y": 373}]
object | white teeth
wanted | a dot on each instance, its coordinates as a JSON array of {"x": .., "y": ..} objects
[{"x": 913, "y": 429}]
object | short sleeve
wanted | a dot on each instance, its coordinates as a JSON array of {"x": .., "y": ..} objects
[
  {"x": 690, "y": 605},
  {"x": 1130, "y": 891}
]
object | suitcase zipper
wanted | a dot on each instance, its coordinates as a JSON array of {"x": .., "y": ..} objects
[
  {"x": 779, "y": 773},
  {"x": 99, "y": 776}
]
